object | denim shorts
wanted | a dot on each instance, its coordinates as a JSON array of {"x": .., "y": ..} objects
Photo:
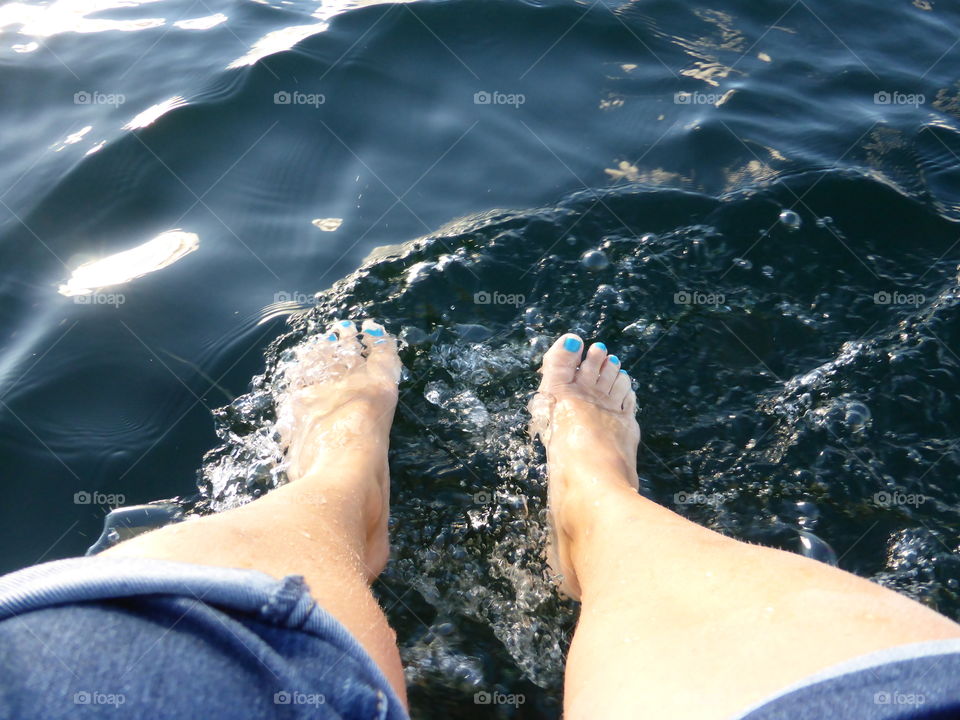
[
  {"x": 137, "y": 638},
  {"x": 915, "y": 681}
]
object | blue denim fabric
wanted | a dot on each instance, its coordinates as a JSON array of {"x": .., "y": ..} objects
[
  {"x": 909, "y": 681},
  {"x": 136, "y": 638},
  {"x": 120, "y": 638}
]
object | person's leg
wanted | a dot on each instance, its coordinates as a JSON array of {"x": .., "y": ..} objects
[
  {"x": 330, "y": 524},
  {"x": 676, "y": 620}
]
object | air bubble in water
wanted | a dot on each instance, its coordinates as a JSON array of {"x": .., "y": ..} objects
[
  {"x": 413, "y": 336},
  {"x": 435, "y": 392},
  {"x": 595, "y": 260},
  {"x": 857, "y": 416},
  {"x": 540, "y": 344},
  {"x": 816, "y": 548},
  {"x": 790, "y": 220},
  {"x": 533, "y": 316},
  {"x": 473, "y": 333},
  {"x": 807, "y": 514}
]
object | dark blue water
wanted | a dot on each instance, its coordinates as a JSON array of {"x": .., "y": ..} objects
[{"x": 796, "y": 375}]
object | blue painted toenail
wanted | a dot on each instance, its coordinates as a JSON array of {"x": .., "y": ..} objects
[
  {"x": 376, "y": 332},
  {"x": 344, "y": 323},
  {"x": 379, "y": 342},
  {"x": 572, "y": 344},
  {"x": 331, "y": 337},
  {"x": 623, "y": 371},
  {"x": 614, "y": 359},
  {"x": 601, "y": 346}
]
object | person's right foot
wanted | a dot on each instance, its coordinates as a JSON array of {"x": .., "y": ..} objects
[
  {"x": 585, "y": 414},
  {"x": 334, "y": 421}
]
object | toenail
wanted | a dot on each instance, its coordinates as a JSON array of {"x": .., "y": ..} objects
[
  {"x": 623, "y": 371},
  {"x": 614, "y": 359},
  {"x": 331, "y": 337},
  {"x": 572, "y": 344},
  {"x": 601, "y": 346},
  {"x": 344, "y": 323},
  {"x": 379, "y": 342},
  {"x": 376, "y": 332}
]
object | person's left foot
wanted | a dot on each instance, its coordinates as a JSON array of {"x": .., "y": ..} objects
[{"x": 334, "y": 421}]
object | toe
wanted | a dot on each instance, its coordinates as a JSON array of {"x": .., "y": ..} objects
[
  {"x": 560, "y": 361},
  {"x": 312, "y": 361},
  {"x": 381, "y": 350},
  {"x": 621, "y": 389},
  {"x": 630, "y": 401},
  {"x": 608, "y": 374},
  {"x": 589, "y": 371},
  {"x": 375, "y": 338},
  {"x": 344, "y": 329},
  {"x": 347, "y": 343}
]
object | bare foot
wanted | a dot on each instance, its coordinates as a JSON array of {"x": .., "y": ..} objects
[
  {"x": 585, "y": 414},
  {"x": 335, "y": 424}
]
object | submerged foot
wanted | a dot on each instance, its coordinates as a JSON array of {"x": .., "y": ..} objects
[
  {"x": 334, "y": 421},
  {"x": 585, "y": 414}
]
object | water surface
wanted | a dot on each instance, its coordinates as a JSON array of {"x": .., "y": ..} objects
[{"x": 794, "y": 377}]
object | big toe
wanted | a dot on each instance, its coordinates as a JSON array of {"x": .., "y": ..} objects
[{"x": 560, "y": 361}]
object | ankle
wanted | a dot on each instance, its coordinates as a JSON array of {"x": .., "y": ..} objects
[{"x": 591, "y": 509}]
